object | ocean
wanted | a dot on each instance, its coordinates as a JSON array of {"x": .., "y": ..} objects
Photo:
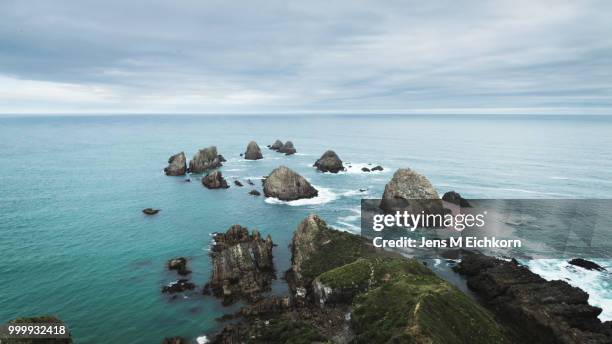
[{"x": 76, "y": 244}]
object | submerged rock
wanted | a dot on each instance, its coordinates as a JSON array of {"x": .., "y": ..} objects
[
  {"x": 150, "y": 211},
  {"x": 214, "y": 180},
  {"x": 278, "y": 144},
  {"x": 286, "y": 185},
  {"x": 455, "y": 198},
  {"x": 180, "y": 265},
  {"x": 253, "y": 152},
  {"x": 586, "y": 264},
  {"x": 177, "y": 165},
  {"x": 534, "y": 309},
  {"x": 238, "y": 183},
  {"x": 178, "y": 286},
  {"x": 205, "y": 159},
  {"x": 329, "y": 162},
  {"x": 412, "y": 192},
  {"x": 242, "y": 264},
  {"x": 287, "y": 148},
  {"x": 254, "y": 193}
]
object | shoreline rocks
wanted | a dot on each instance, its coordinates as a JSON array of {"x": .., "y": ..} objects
[
  {"x": 205, "y": 159},
  {"x": 329, "y": 162},
  {"x": 586, "y": 264},
  {"x": 242, "y": 265},
  {"x": 253, "y": 152},
  {"x": 534, "y": 309},
  {"x": 177, "y": 165},
  {"x": 286, "y": 185},
  {"x": 178, "y": 286},
  {"x": 214, "y": 180},
  {"x": 412, "y": 192}
]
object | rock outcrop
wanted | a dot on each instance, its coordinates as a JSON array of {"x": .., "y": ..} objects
[
  {"x": 150, "y": 211},
  {"x": 177, "y": 165},
  {"x": 180, "y": 265},
  {"x": 45, "y": 319},
  {"x": 278, "y": 144},
  {"x": 253, "y": 152},
  {"x": 287, "y": 148},
  {"x": 412, "y": 192},
  {"x": 242, "y": 265},
  {"x": 455, "y": 198},
  {"x": 586, "y": 264},
  {"x": 329, "y": 162},
  {"x": 205, "y": 159},
  {"x": 536, "y": 310},
  {"x": 286, "y": 185},
  {"x": 214, "y": 180},
  {"x": 178, "y": 286}
]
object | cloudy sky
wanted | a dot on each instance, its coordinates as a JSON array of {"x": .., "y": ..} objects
[{"x": 154, "y": 56}]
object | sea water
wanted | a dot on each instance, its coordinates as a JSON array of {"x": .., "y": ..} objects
[{"x": 74, "y": 242}]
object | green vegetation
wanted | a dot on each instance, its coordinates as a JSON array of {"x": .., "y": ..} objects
[{"x": 284, "y": 331}]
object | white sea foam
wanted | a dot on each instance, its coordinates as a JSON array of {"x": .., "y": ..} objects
[
  {"x": 233, "y": 170},
  {"x": 325, "y": 196},
  {"x": 202, "y": 340},
  {"x": 597, "y": 284},
  {"x": 559, "y": 178},
  {"x": 349, "y": 227}
]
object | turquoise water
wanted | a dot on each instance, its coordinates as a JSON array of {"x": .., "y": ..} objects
[{"x": 75, "y": 243}]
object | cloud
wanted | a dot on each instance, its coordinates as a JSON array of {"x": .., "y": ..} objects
[{"x": 315, "y": 56}]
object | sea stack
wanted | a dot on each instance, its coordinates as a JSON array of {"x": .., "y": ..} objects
[
  {"x": 205, "y": 159},
  {"x": 329, "y": 162},
  {"x": 278, "y": 144},
  {"x": 242, "y": 264},
  {"x": 253, "y": 152},
  {"x": 287, "y": 148},
  {"x": 412, "y": 192},
  {"x": 214, "y": 180},
  {"x": 286, "y": 185},
  {"x": 177, "y": 165}
]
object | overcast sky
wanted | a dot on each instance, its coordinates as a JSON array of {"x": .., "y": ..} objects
[{"x": 144, "y": 56}]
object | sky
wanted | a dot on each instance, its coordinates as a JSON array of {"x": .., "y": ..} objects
[{"x": 413, "y": 57}]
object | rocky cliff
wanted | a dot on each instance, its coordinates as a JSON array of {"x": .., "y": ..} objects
[{"x": 205, "y": 159}]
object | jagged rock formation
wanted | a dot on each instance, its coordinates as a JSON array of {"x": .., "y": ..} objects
[
  {"x": 180, "y": 265},
  {"x": 535, "y": 310},
  {"x": 178, "y": 286},
  {"x": 455, "y": 198},
  {"x": 287, "y": 148},
  {"x": 214, "y": 180},
  {"x": 150, "y": 211},
  {"x": 286, "y": 185},
  {"x": 586, "y": 264},
  {"x": 45, "y": 319},
  {"x": 205, "y": 159},
  {"x": 177, "y": 165},
  {"x": 278, "y": 144},
  {"x": 242, "y": 264},
  {"x": 253, "y": 152},
  {"x": 329, "y": 162},
  {"x": 412, "y": 192}
]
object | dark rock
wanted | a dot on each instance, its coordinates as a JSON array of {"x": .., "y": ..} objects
[
  {"x": 412, "y": 192},
  {"x": 329, "y": 162},
  {"x": 535, "y": 310},
  {"x": 455, "y": 198},
  {"x": 254, "y": 193},
  {"x": 250, "y": 182},
  {"x": 188, "y": 180},
  {"x": 586, "y": 264},
  {"x": 221, "y": 158},
  {"x": 268, "y": 306},
  {"x": 175, "y": 340},
  {"x": 206, "y": 289},
  {"x": 253, "y": 152},
  {"x": 365, "y": 169},
  {"x": 276, "y": 145},
  {"x": 286, "y": 185},
  {"x": 363, "y": 190},
  {"x": 45, "y": 319},
  {"x": 377, "y": 168},
  {"x": 238, "y": 183},
  {"x": 205, "y": 159},
  {"x": 242, "y": 265},
  {"x": 150, "y": 211},
  {"x": 177, "y": 165},
  {"x": 287, "y": 148},
  {"x": 178, "y": 286},
  {"x": 214, "y": 180},
  {"x": 180, "y": 265}
]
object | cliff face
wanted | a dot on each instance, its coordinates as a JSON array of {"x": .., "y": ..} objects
[
  {"x": 242, "y": 264},
  {"x": 536, "y": 310},
  {"x": 205, "y": 159}
]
